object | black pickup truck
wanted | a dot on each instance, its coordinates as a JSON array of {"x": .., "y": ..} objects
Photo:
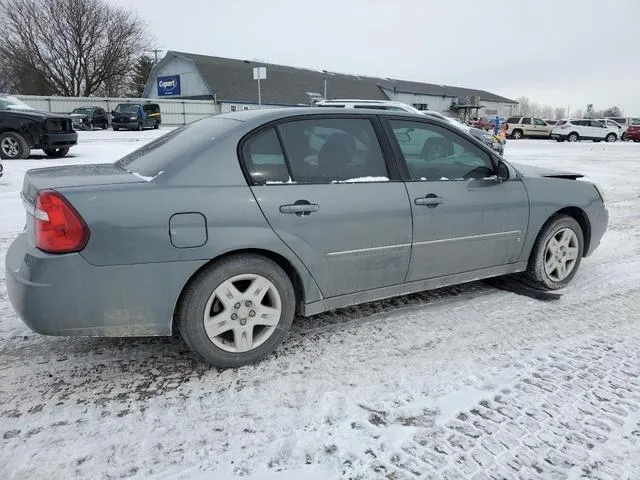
[{"x": 22, "y": 129}]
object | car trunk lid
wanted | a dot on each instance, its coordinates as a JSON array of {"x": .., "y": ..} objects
[{"x": 74, "y": 176}]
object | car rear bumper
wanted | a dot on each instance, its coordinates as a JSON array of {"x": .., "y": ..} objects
[{"x": 65, "y": 295}]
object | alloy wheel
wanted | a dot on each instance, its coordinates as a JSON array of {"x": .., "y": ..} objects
[
  {"x": 242, "y": 313},
  {"x": 561, "y": 254},
  {"x": 10, "y": 147}
]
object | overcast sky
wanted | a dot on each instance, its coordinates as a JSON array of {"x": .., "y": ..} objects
[{"x": 558, "y": 52}]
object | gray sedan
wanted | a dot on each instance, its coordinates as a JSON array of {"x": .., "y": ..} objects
[{"x": 227, "y": 228}]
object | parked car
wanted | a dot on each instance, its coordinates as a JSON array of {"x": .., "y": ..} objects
[
  {"x": 23, "y": 129},
  {"x": 389, "y": 105},
  {"x": 1, "y": 167},
  {"x": 86, "y": 118},
  {"x": 633, "y": 132},
  {"x": 584, "y": 129},
  {"x": 245, "y": 219},
  {"x": 625, "y": 123},
  {"x": 136, "y": 116},
  {"x": 483, "y": 123},
  {"x": 520, "y": 127}
]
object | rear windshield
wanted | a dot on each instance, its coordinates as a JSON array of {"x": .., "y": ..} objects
[{"x": 180, "y": 144}]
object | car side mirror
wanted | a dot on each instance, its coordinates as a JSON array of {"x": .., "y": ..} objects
[{"x": 503, "y": 171}]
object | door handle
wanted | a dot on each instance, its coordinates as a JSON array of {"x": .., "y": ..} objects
[
  {"x": 430, "y": 201},
  {"x": 300, "y": 208}
]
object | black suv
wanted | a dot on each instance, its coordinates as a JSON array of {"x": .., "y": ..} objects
[
  {"x": 136, "y": 116},
  {"x": 86, "y": 118},
  {"x": 22, "y": 128}
]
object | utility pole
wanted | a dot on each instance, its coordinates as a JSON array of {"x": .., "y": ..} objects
[{"x": 155, "y": 51}]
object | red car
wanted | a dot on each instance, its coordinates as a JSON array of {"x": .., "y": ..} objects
[
  {"x": 633, "y": 133},
  {"x": 482, "y": 123}
]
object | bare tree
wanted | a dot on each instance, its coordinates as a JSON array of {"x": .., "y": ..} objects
[
  {"x": 75, "y": 47},
  {"x": 560, "y": 113},
  {"x": 547, "y": 112},
  {"x": 525, "y": 106},
  {"x": 614, "y": 111},
  {"x": 536, "y": 109}
]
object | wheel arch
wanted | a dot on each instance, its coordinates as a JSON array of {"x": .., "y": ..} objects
[
  {"x": 579, "y": 216},
  {"x": 280, "y": 260}
]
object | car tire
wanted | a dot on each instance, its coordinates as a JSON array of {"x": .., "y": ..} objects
[
  {"x": 611, "y": 138},
  {"x": 561, "y": 237},
  {"x": 13, "y": 146},
  {"x": 156, "y": 125},
  {"x": 56, "y": 152},
  {"x": 516, "y": 134},
  {"x": 202, "y": 299},
  {"x": 573, "y": 137},
  {"x": 115, "y": 129}
]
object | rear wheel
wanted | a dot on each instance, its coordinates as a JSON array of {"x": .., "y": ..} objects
[
  {"x": 517, "y": 134},
  {"x": 611, "y": 137},
  {"x": 156, "y": 125},
  {"x": 115, "y": 129},
  {"x": 55, "y": 152},
  {"x": 13, "y": 146},
  {"x": 573, "y": 137},
  {"x": 557, "y": 253},
  {"x": 237, "y": 310}
]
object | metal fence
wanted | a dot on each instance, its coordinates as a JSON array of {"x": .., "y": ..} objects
[{"x": 174, "y": 112}]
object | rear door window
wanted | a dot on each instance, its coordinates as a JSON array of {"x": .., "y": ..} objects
[
  {"x": 526, "y": 121},
  {"x": 323, "y": 150}
]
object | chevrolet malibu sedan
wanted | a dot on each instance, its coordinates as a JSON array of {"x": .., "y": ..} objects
[{"x": 227, "y": 228}]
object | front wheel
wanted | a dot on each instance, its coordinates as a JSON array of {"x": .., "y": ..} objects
[
  {"x": 13, "y": 146},
  {"x": 237, "y": 310},
  {"x": 573, "y": 137},
  {"x": 557, "y": 253},
  {"x": 55, "y": 152},
  {"x": 517, "y": 134},
  {"x": 611, "y": 138}
]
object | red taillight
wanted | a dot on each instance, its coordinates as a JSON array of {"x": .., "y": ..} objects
[{"x": 59, "y": 227}]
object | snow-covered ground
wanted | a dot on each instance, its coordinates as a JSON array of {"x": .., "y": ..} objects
[{"x": 464, "y": 382}]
